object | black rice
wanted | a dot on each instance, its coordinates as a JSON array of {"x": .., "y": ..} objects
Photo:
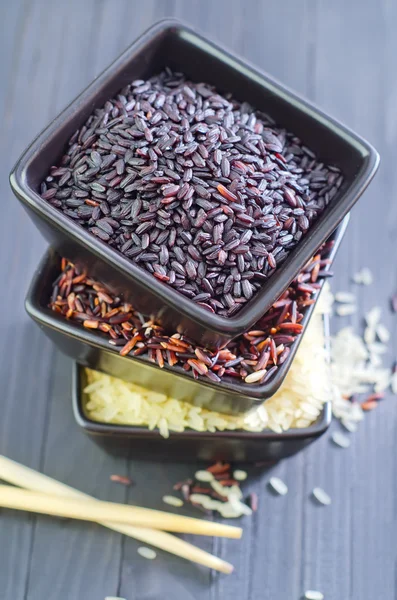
[{"x": 193, "y": 186}]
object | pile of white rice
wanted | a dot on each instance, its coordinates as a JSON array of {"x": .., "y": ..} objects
[{"x": 297, "y": 404}]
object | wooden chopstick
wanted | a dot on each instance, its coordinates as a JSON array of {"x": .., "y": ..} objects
[
  {"x": 18, "y": 499},
  {"x": 20, "y": 475}
]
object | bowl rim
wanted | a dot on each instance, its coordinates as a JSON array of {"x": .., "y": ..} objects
[
  {"x": 113, "y": 429},
  {"x": 44, "y": 316},
  {"x": 251, "y": 312}
]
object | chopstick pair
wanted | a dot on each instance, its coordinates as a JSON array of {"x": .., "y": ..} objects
[{"x": 48, "y": 496}]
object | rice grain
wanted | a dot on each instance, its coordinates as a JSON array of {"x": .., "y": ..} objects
[
  {"x": 345, "y": 310},
  {"x": 383, "y": 333},
  {"x": 313, "y": 595},
  {"x": 363, "y": 277},
  {"x": 278, "y": 486},
  {"x": 321, "y": 496},
  {"x": 146, "y": 552},
  {"x": 340, "y": 440},
  {"x": 204, "y": 476},
  {"x": 240, "y": 475},
  {"x": 175, "y": 160},
  {"x": 345, "y": 297}
]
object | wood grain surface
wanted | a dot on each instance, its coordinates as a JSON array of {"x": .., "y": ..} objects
[{"x": 340, "y": 54}]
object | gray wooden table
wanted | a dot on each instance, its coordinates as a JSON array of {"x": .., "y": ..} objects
[{"x": 340, "y": 54}]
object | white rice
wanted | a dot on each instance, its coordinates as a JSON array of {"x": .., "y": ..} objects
[
  {"x": 321, "y": 496},
  {"x": 278, "y": 486},
  {"x": 146, "y": 552},
  {"x": 363, "y": 277},
  {"x": 340, "y": 439},
  {"x": 240, "y": 475},
  {"x": 373, "y": 316},
  {"x": 204, "y": 476},
  {"x": 296, "y": 404},
  {"x": 313, "y": 595},
  {"x": 357, "y": 368},
  {"x": 349, "y": 425},
  {"x": 231, "y": 509},
  {"x": 173, "y": 501},
  {"x": 345, "y": 297},
  {"x": 255, "y": 376},
  {"x": 369, "y": 335},
  {"x": 383, "y": 333},
  {"x": 377, "y": 348},
  {"x": 344, "y": 310}
]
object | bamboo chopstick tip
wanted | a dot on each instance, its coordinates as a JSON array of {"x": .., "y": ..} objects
[
  {"x": 234, "y": 532},
  {"x": 226, "y": 568}
]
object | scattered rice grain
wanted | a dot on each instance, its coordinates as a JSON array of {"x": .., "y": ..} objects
[
  {"x": 204, "y": 475},
  {"x": 373, "y": 316},
  {"x": 383, "y": 333},
  {"x": 369, "y": 335},
  {"x": 321, "y": 496},
  {"x": 340, "y": 440},
  {"x": 146, "y": 552},
  {"x": 345, "y": 310},
  {"x": 173, "y": 501},
  {"x": 349, "y": 425},
  {"x": 313, "y": 595},
  {"x": 240, "y": 475},
  {"x": 278, "y": 486},
  {"x": 363, "y": 277},
  {"x": 345, "y": 297}
]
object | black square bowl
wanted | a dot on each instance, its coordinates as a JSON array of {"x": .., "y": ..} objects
[
  {"x": 189, "y": 445},
  {"x": 92, "y": 349},
  {"x": 170, "y": 43}
]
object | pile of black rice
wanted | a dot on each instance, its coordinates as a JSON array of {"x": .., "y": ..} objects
[{"x": 204, "y": 192}]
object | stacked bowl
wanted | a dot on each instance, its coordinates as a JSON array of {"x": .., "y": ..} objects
[{"x": 190, "y": 231}]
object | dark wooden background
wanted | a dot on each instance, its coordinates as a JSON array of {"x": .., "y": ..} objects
[{"x": 342, "y": 54}]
